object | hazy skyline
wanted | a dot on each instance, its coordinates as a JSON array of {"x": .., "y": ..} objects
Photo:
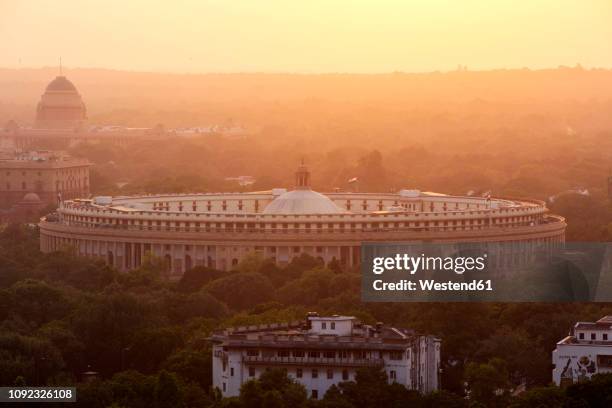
[{"x": 316, "y": 36}]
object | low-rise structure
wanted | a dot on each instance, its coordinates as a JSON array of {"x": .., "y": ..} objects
[
  {"x": 41, "y": 176},
  {"x": 322, "y": 351},
  {"x": 586, "y": 351}
]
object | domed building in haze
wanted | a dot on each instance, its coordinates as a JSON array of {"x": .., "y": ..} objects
[
  {"x": 61, "y": 106},
  {"x": 217, "y": 230}
]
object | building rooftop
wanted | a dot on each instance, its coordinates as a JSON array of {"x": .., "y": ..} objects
[
  {"x": 605, "y": 323},
  {"x": 300, "y": 334},
  {"x": 38, "y": 159}
]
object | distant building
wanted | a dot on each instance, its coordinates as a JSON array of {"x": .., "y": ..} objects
[
  {"x": 48, "y": 175},
  {"x": 586, "y": 351},
  {"x": 61, "y": 106},
  {"x": 61, "y": 122},
  {"x": 323, "y": 351}
]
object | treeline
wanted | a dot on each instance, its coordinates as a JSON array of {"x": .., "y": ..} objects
[
  {"x": 62, "y": 315},
  {"x": 371, "y": 389}
]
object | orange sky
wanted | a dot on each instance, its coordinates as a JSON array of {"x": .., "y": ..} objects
[{"x": 305, "y": 36}]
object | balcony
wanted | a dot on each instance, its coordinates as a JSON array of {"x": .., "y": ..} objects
[{"x": 313, "y": 361}]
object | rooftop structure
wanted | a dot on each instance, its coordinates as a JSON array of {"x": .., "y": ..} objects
[
  {"x": 586, "y": 351},
  {"x": 322, "y": 351}
]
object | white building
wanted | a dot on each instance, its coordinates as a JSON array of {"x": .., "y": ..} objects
[
  {"x": 322, "y": 351},
  {"x": 585, "y": 352}
]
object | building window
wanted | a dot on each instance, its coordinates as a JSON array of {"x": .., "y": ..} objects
[
  {"x": 395, "y": 355},
  {"x": 315, "y": 373},
  {"x": 251, "y": 371},
  {"x": 345, "y": 375},
  {"x": 23, "y": 185},
  {"x": 224, "y": 387},
  {"x": 314, "y": 394},
  {"x": 330, "y": 374},
  {"x": 392, "y": 375},
  {"x": 581, "y": 336},
  {"x": 605, "y": 336},
  {"x": 298, "y": 373},
  {"x": 333, "y": 325},
  {"x": 323, "y": 325},
  {"x": 298, "y": 353},
  {"x": 231, "y": 371},
  {"x": 593, "y": 336}
]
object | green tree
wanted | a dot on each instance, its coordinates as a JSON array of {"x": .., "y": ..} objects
[
  {"x": 37, "y": 302},
  {"x": 241, "y": 290},
  {"x": 192, "y": 366},
  {"x": 541, "y": 397},
  {"x": 487, "y": 382},
  {"x": 167, "y": 391},
  {"x": 273, "y": 389},
  {"x": 596, "y": 393},
  {"x": 443, "y": 399}
]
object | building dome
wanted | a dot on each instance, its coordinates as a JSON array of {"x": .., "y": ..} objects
[
  {"x": 31, "y": 198},
  {"x": 61, "y": 106},
  {"x": 302, "y": 202},
  {"x": 61, "y": 83}
]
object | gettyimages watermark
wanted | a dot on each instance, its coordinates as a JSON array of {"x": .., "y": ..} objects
[{"x": 487, "y": 272}]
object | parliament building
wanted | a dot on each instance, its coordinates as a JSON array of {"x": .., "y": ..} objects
[{"x": 217, "y": 230}]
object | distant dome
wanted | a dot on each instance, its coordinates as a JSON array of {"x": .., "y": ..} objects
[
  {"x": 61, "y": 106},
  {"x": 61, "y": 83},
  {"x": 302, "y": 202},
  {"x": 31, "y": 198}
]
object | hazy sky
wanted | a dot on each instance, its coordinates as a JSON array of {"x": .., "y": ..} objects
[{"x": 305, "y": 36}]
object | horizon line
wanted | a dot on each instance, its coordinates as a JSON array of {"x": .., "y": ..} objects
[{"x": 459, "y": 69}]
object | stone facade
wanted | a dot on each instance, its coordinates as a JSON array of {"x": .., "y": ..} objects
[
  {"x": 47, "y": 174},
  {"x": 218, "y": 230}
]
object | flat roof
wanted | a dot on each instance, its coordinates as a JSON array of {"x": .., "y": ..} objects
[{"x": 332, "y": 318}]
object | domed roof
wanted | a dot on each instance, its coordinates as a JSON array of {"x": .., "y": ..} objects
[
  {"x": 61, "y": 83},
  {"x": 302, "y": 202},
  {"x": 31, "y": 198}
]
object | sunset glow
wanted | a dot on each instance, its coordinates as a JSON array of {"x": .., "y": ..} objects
[{"x": 314, "y": 36}]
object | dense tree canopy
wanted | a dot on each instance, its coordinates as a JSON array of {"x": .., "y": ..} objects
[{"x": 146, "y": 336}]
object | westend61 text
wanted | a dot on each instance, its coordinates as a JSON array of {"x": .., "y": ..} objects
[{"x": 429, "y": 284}]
